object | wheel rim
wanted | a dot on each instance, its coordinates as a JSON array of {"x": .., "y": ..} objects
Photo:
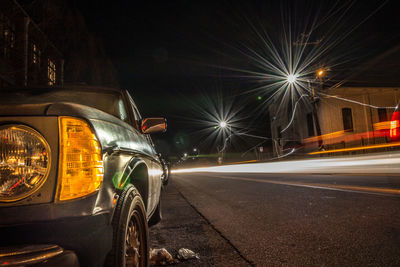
[{"x": 134, "y": 242}]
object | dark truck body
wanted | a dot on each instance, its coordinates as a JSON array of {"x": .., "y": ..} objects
[{"x": 81, "y": 226}]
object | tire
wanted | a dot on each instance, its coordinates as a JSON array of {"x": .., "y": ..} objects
[
  {"x": 157, "y": 215},
  {"x": 130, "y": 231},
  {"x": 165, "y": 180}
]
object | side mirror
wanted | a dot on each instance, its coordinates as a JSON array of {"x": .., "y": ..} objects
[{"x": 153, "y": 125}]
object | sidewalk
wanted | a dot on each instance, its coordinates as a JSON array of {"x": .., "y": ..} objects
[{"x": 183, "y": 227}]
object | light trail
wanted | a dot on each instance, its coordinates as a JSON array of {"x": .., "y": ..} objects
[
  {"x": 383, "y": 163},
  {"x": 336, "y": 187},
  {"x": 355, "y": 148},
  {"x": 287, "y": 154},
  {"x": 324, "y": 136},
  {"x": 293, "y": 113},
  {"x": 353, "y": 101}
]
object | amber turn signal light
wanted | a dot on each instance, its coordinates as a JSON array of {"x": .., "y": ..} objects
[{"x": 80, "y": 161}]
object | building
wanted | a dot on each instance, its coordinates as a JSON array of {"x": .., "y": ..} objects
[
  {"x": 27, "y": 57},
  {"x": 348, "y": 117}
]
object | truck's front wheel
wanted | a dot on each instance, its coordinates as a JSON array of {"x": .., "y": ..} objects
[{"x": 130, "y": 240}]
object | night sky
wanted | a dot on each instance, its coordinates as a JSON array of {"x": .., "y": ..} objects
[{"x": 179, "y": 57}]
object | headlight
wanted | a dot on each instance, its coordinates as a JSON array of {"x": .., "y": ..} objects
[
  {"x": 80, "y": 163},
  {"x": 24, "y": 162}
]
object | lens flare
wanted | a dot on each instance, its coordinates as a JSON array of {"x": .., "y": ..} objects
[{"x": 292, "y": 78}]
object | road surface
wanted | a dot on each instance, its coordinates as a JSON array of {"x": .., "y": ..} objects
[{"x": 301, "y": 220}]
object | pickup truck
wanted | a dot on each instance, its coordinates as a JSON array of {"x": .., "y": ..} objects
[{"x": 80, "y": 180}]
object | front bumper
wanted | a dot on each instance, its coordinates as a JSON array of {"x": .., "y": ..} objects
[
  {"x": 90, "y": 237},
  {"x": 38, "y": 256}
]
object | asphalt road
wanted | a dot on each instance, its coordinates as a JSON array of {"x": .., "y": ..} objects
[{"x": 239, "y": 219}]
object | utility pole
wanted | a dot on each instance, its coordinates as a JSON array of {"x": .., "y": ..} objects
[
  {"x": 315, "y": 114},
  {"x": 304, "y": 41}
]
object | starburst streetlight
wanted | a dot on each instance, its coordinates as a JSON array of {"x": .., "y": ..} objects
[
  {"x": 291, "y": 78},
  {"x": 225, "y": 126}
]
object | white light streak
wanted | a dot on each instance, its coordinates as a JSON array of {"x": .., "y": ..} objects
[
  {"x": 354, "y": 101},
  {"x": 379, "y": 163},
  {"x": 293, "y": 113}
]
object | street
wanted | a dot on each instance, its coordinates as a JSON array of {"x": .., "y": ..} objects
[
  {"x": 193, "y": 133},
  {"x": 244, "y": 219}
]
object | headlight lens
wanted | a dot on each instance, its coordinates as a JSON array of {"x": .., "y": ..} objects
[{"x": 24, "y": 162}]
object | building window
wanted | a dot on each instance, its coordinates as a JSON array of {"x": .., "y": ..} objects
[
  {"x": 382, "y": 114},
  {"x": 7, "y": 36},
  {"x": 310, "y": 125},
  {"x": 347, "y": 119},
  {"x": 35, "y": 54},
  {"x": 51, "y": 72}
]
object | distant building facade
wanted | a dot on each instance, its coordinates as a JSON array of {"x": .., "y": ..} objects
[
  {"x": 347, "y": 117},
  {"x": 27, "y": 57}
]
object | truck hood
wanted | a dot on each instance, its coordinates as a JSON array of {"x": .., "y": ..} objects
[{"x": 57, "y": 109}]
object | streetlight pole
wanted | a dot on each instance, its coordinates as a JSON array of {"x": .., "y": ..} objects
[
  {"x": 223, "y": 125},
  {"x": 320, "y": 73},
  {"x": 303, "y": 41},
  {"x": 230, "y": 135}
]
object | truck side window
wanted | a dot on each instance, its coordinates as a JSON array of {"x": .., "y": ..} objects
[
  {"x": 135, "y": 112},
  {"x": 122, "y": 111}
]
